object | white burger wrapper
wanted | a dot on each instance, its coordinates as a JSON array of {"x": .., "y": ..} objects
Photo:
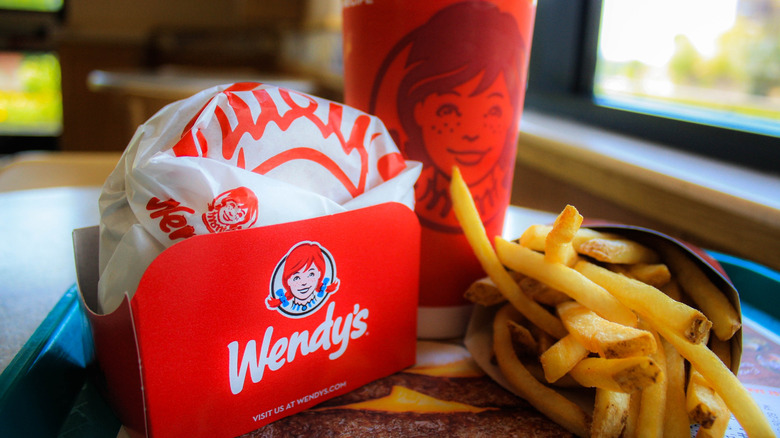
[{"x": 237, "y": 156}]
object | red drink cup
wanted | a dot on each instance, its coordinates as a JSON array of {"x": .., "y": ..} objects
[{"x": 448, "y": 79}]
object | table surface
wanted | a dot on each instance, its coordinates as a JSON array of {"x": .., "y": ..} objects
[
  {"x": 179, "y": 84},
  {"x": 36, "y": 254}
]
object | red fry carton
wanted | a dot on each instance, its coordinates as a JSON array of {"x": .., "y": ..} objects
[
  {"x": 212, "y": 312},
  {"x": 226, "y": 358}
]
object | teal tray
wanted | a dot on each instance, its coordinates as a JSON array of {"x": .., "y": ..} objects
[
  {"x": 48, "y": 391},
  {"x": 759, "y": 289}
]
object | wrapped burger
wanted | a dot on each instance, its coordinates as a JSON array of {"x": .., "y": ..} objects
[{"x": 234, "y": 157}]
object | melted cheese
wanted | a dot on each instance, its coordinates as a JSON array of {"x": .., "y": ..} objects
[
  {"x": 440, "y": 359},
  {"x": 461, "y": 368},
  {"x": 403, "y": 399}
]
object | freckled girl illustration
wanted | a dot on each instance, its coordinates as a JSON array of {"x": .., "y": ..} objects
[
  {"x": 304, "y": 280},
  {"x": 458, "y": 107},
  {"x": 233, "y": 210}
]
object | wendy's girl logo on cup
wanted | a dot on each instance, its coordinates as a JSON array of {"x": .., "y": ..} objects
[
  {"x": 448, "y": 79},
  {"x": 302, "y": 281},
  {"x": 456, "y": 95}
]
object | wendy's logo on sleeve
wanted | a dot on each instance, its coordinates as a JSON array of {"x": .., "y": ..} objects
[
  {"x": 173, "y": 217},
  {"x": 233, "y": 210},
  {"x": 302, "y": 280}
]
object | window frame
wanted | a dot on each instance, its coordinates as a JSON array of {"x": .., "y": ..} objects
[{"x": 560, "y": 82}]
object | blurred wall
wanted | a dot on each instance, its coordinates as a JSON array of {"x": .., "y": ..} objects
[
  {"x": 142, "y": 34},
  {"x": 135, "y": 19}
]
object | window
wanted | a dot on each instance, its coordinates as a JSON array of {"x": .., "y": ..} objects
[
  {"x": 32, "y": 5},
  {"x": 700, "y": 75},
  {"x": 30, "y": 90},
  {"x": 30, "y": 94}
]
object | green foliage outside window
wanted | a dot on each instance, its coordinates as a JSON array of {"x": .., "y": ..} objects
[
  {"x": 30, "y": 94},
  {"x": 32, "y": 5},
  {"x": 740, "y": 77}
]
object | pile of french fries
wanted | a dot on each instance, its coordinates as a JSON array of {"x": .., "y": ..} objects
[{"x": 648, "y": 331}]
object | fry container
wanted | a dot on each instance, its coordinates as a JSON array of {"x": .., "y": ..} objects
[
  {"x": 714, "y": 272},
  {"x": 448, "y": 79},
  {"x": 479, "y": 336}
]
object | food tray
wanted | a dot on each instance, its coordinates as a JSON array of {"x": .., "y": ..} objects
[{"x": 47, "y": 390}]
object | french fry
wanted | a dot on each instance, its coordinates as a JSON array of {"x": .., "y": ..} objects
[
  {"x": 719, "y": 426},
  {"x": 706, "y": 407},
  {"x": 619, "y": 268},
  {"x": 631, "y": 430},
  {"x": 649, "y": 302},
  {"x": 722, "y": 349},
  {"x": 561, "y": 357},
  {"x": 623, "y": 375},
  {"x": 652, "y": 412},
  {"x": 702, "y": 403},
  {"x": 718, "y": 429},
  {"x": 672, "y": 290},
  {"x": 535, "y": 237},
  {"x": 522, "y": 339},
  {"x": 484, "y": 292},
  {"x": 607, "y": 338},
  {"x": 543, "y": 339},
  {"x": 711, "y": 301},
  {"x": 468, "y": 217},
  {"x": 548, "y": 401},
  {"x": 722, "y": 380},
  {"x": 676, "y": 424},
  {"x": 557, "y": 245},
  {"x": 615, "y": 250},
  {"x": 604, "y": 247},
  {"x": 564, "y": 279},
  {"x": 610, "y": 412},
  {"x": 654, "y": 274},
  {"x": 542, "y": 293},
  {"x": 536, "y": 370}
]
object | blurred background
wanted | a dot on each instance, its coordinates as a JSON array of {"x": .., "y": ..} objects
[
  {"x": 658, "y": 113},
  {"x": 78, "y": 75}
]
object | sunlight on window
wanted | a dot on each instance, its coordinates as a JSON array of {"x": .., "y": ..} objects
[{"x": 710, "y": 61}]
